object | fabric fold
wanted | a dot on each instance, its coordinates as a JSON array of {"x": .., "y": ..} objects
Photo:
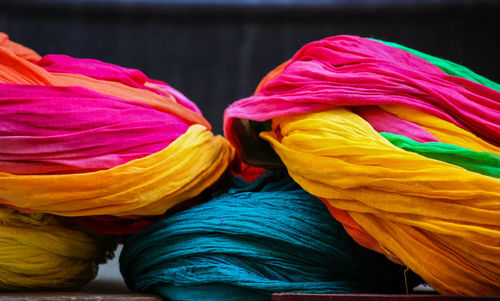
[{"x": 401, "y": 146}]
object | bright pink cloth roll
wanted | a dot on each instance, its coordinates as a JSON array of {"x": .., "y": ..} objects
[{"x": 353, "y": 71}]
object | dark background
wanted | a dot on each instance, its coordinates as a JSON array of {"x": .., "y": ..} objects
[{"x": 215, "y": 52}]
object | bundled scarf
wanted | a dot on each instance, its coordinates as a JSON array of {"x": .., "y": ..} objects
[
  {"x": 44, "y": 252},
  {"x": 401, "y": 146},
  {"x": 80, "y": 137}
]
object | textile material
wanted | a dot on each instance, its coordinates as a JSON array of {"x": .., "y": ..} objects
[
  {"x": 44, "y": 252},
  {"x": 51, "y": 130},
  {"x": 18, "y": 49},
  {"x": 351, "y": 71},
  {"x": 186, "y": 167},
  {"x": 82, "y": 138},
  {"x": 428, "y": 200},
  {"x": 16, "y": 70},
  {"x": 254, "y": 240}
]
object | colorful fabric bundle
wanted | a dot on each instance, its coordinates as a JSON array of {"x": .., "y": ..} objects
[
  {"x": 403, "y": 147},
  {"x": 41, "y": 252},
  {"x": 81, "y": 137},
  {"x": 256, "y": 239}
]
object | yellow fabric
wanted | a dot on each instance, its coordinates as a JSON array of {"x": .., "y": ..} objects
[
  {"x": 444, "y": 221},
  {"x": 41, "y": 251},
  {"x": 146, "y": 186}
]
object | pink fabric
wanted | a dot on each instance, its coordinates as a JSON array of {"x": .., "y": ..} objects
[
  {"x": 72, "y": 129},
  {"x": 353, "y": 71},
  {"x": 383, "y": 121},
  {"x": 93, "y": 68}
]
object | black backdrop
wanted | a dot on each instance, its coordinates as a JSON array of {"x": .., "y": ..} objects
[{"x": 216, "y": 54}]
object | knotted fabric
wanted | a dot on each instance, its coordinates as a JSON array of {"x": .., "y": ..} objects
[
  {"x": 401, "y": 146},
  {"x": 80, "y": 137}
]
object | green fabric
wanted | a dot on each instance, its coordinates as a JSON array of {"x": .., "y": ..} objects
[{"x": 481, "y": 162}]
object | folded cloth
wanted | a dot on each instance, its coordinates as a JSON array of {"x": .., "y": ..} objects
[
  {"x": 80, "y": 137},
  {"x": 401, "y": 146},
  {"x": 45, "y": 252}
]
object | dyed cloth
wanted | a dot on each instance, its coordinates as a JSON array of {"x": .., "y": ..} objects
[
  {"x": 80, "y": 137},
  {"x": 251, "y": 241},
  {"x": 41, "y": 252},
  {"x": 401, "y": 146},
  {"x": 18, "y": 49}
]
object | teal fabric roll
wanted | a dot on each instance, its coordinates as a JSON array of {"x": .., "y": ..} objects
[{"x": 257, "y": 238}]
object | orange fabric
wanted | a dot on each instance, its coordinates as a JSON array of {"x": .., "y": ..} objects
[{"x": 20, "y": 50}]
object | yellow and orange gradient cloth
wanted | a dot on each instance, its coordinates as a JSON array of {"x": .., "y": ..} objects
[
  {"x": 405, "y": 155},
  {"x": 80, "y": 137}
]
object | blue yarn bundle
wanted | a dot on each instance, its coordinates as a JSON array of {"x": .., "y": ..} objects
[{"x": 256, "y": 239}]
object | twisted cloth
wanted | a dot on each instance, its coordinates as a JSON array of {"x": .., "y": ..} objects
[
  {"x": 401, "y": 146},
  {"x": 80, "y": 137},
  {"x": 44, "y": 252},
  {"x": 251, "y": 241}
]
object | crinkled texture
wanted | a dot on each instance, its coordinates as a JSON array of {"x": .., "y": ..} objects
[
  {"x": 481, "y": 162},
  {"x": 383, "y": 121},
  {"x": 145, "y": 186},
  {"x": 44, "y": 252},
  {"x": 54, "y": 130},
  {"x": 57, "y": 63},
  {"x": 18, "y": 49},
  {"x": 438, "y": 219},
  {"x": 81, "y": 137},
  {"x": 351, "y": 71},
  {"x": 113, "y": 73},
  {"x": 16, "y": 70},
  {"x": 256, "y": 239},
  {"x": 428, "y": 197}
]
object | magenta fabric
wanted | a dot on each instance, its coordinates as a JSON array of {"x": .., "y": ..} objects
[
  {"x": 383, "y": 121},
  {"x": 72, "y": 129},
  {"x": 353, "y": 71},
  {"x": 93, "y": 68}
]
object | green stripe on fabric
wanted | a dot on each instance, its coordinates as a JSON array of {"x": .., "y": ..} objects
[{"x": 485, "y": 163}]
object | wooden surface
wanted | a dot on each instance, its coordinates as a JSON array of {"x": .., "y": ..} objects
[
  {"x": 76, "y": 296},
  {"x": 80, "y": 296},
  {"x": 367, "y": 297}
]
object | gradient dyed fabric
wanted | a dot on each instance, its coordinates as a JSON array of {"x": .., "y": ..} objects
[
  {"x": 80, "y": 137},
  {"x": 44, "y": 252},
  {"x": 251, "y": 241},
  {"x": 402, "y": 147}
]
